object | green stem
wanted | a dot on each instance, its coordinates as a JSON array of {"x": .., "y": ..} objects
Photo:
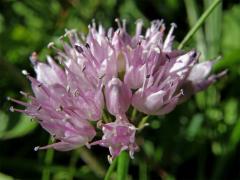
[
  {"x": 72, "y": 168},
  {"x": 192, "y": 14},
  {"x": 199, "y": 23},
  {"x": 91, "y": 161},
  {"x": 213, "y": 23},
  {"x": 110, "y": 170},
  {"x": 143, "y": 171},
  {"x": 105, "y": 118},
  {"x": 122, "y": 168},
  {"x": 142, "y": 123},
  {"x": 47, "y": 161},
  {"x": 133, "y": 114}
]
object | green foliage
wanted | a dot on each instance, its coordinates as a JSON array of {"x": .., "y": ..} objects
[{"x": 199, "y": 140}]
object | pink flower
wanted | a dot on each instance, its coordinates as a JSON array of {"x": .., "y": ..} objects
[
  {"x": 118, "y": 136},
  {"x": 111, "y": 70}
]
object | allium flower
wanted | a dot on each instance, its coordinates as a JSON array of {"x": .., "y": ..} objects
[
  {"x": 111, "y": 70},
  {"x": 118, "y": 136}
]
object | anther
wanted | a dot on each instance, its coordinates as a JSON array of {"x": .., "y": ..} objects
[
  {"x": 181, "y": 92},
  {"x": 168, "y": 57},
  {"x": 76, "y": 93},
  {"x": 50, "y": 45},
  {"x": 83, "y": 69},
  {"x": 36, "y": 148},
  {"x": 39, "y": 108},
  {"x": 110, "y": 159},
  {"x": 68, "y": 88},
  {"x": 88, "y": 145},
  {"x": 118, "y": 23},
  {"x": 24, "y": 72},
  {"x": 87, "y": 45},
  {"x": 39, "y": 85},
  {"x": 60, "y": 108},
  {"x": 11, "y": 109},
  {"x": 78, "y": 48}
]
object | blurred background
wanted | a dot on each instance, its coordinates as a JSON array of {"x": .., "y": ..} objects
[{"x": 199, "y": 140}]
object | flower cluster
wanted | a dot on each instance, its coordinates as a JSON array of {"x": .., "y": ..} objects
[{"x": 109, "y": 71}]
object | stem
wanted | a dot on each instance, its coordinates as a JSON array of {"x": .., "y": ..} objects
[
  {"x": 143, "y": 123},
  {"x": 122, "y": 168},
  {"x": 91, "y": 161},
  {"x": 143, "y": 170},
  {"x": 72, "y": 168},
  {"x": 133, "y": 114},
  {"x": 199, "y": 23},
  {"x": 213, "y": 23},
  {"x": 47, "y": 161},
  {"x": 105, "y": 118},
  {"x": 192, "y": 14},
  {"x": 110, "y": 169}
]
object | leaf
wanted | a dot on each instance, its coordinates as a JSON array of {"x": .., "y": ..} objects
[
  {"x": 10, "y": 129},
  {"x": 5, "y": 177},
  {"x": 230, "y": 38},
  {"x": 195, "y": 126}
]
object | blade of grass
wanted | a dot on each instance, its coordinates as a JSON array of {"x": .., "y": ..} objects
[
  {"x": 192, "y": 14},
  {"x": 110, "y": 170},
  {"x": 224, "y": 159},
  {"x": 199, "y": 23},
  {"x": 122, "y": 168},
  {"x": 143, "y": 171},
  {"x": 72, "y": 165},
  {"x": 213, "y": 30},
  {"x": 91, "y": 161},
  {"x": 47, "y": 161}
]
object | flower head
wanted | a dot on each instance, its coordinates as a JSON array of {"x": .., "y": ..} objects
[{"x": 110, "y": 70}]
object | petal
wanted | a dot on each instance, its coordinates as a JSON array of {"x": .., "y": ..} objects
[
  {"x": 200, "y": 71},
  {"x": 118, "y": 96},
  {"x": 183, "y": 61}
]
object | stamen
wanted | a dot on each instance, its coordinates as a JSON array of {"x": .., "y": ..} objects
[
  {"x": 39, "y": 108},
  {"x": 11, "y": 109},
  {"x": 99, "y": 124},
  {"x": 83, "y": 69},
  {"x": 181, "y": 91},
  {"x": 36, "y": 148},
  {"x": 124, "y": 24},
  {"x": 110, "y": 159},
  {"x": 118, "y": 23},
  {"x": 24, "y": 72},
  {"x": 76, "y": 93},
  {"x": 60, "y": 108},
  {"x": 50, "y": 45},
  {"x": 168, "y": 57},
  {"x": 88, "y": 145},
  {"x": 17, "y": 101},
  {"x": 78, "y": 48},
  {"x": 24, "y": 94},
  {"x": 68, "y": 88},
  {"x": 87, "y": 45}
]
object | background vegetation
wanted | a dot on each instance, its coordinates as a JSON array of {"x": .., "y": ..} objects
[{"x": 199, "y": 140}]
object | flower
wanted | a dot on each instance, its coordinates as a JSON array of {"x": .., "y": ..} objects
[
  {"x": 118, "y": 136},
  {"x": 109, "y": 71}
]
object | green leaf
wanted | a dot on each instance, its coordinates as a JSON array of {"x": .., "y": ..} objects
[
  {"x": 10, "y": 129},
  {"x": 230, "y": 38},
  {"x": 199, "y": 23},
  {"x": 195, "y": 126},
  {"x": 5, "y": 177}
]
